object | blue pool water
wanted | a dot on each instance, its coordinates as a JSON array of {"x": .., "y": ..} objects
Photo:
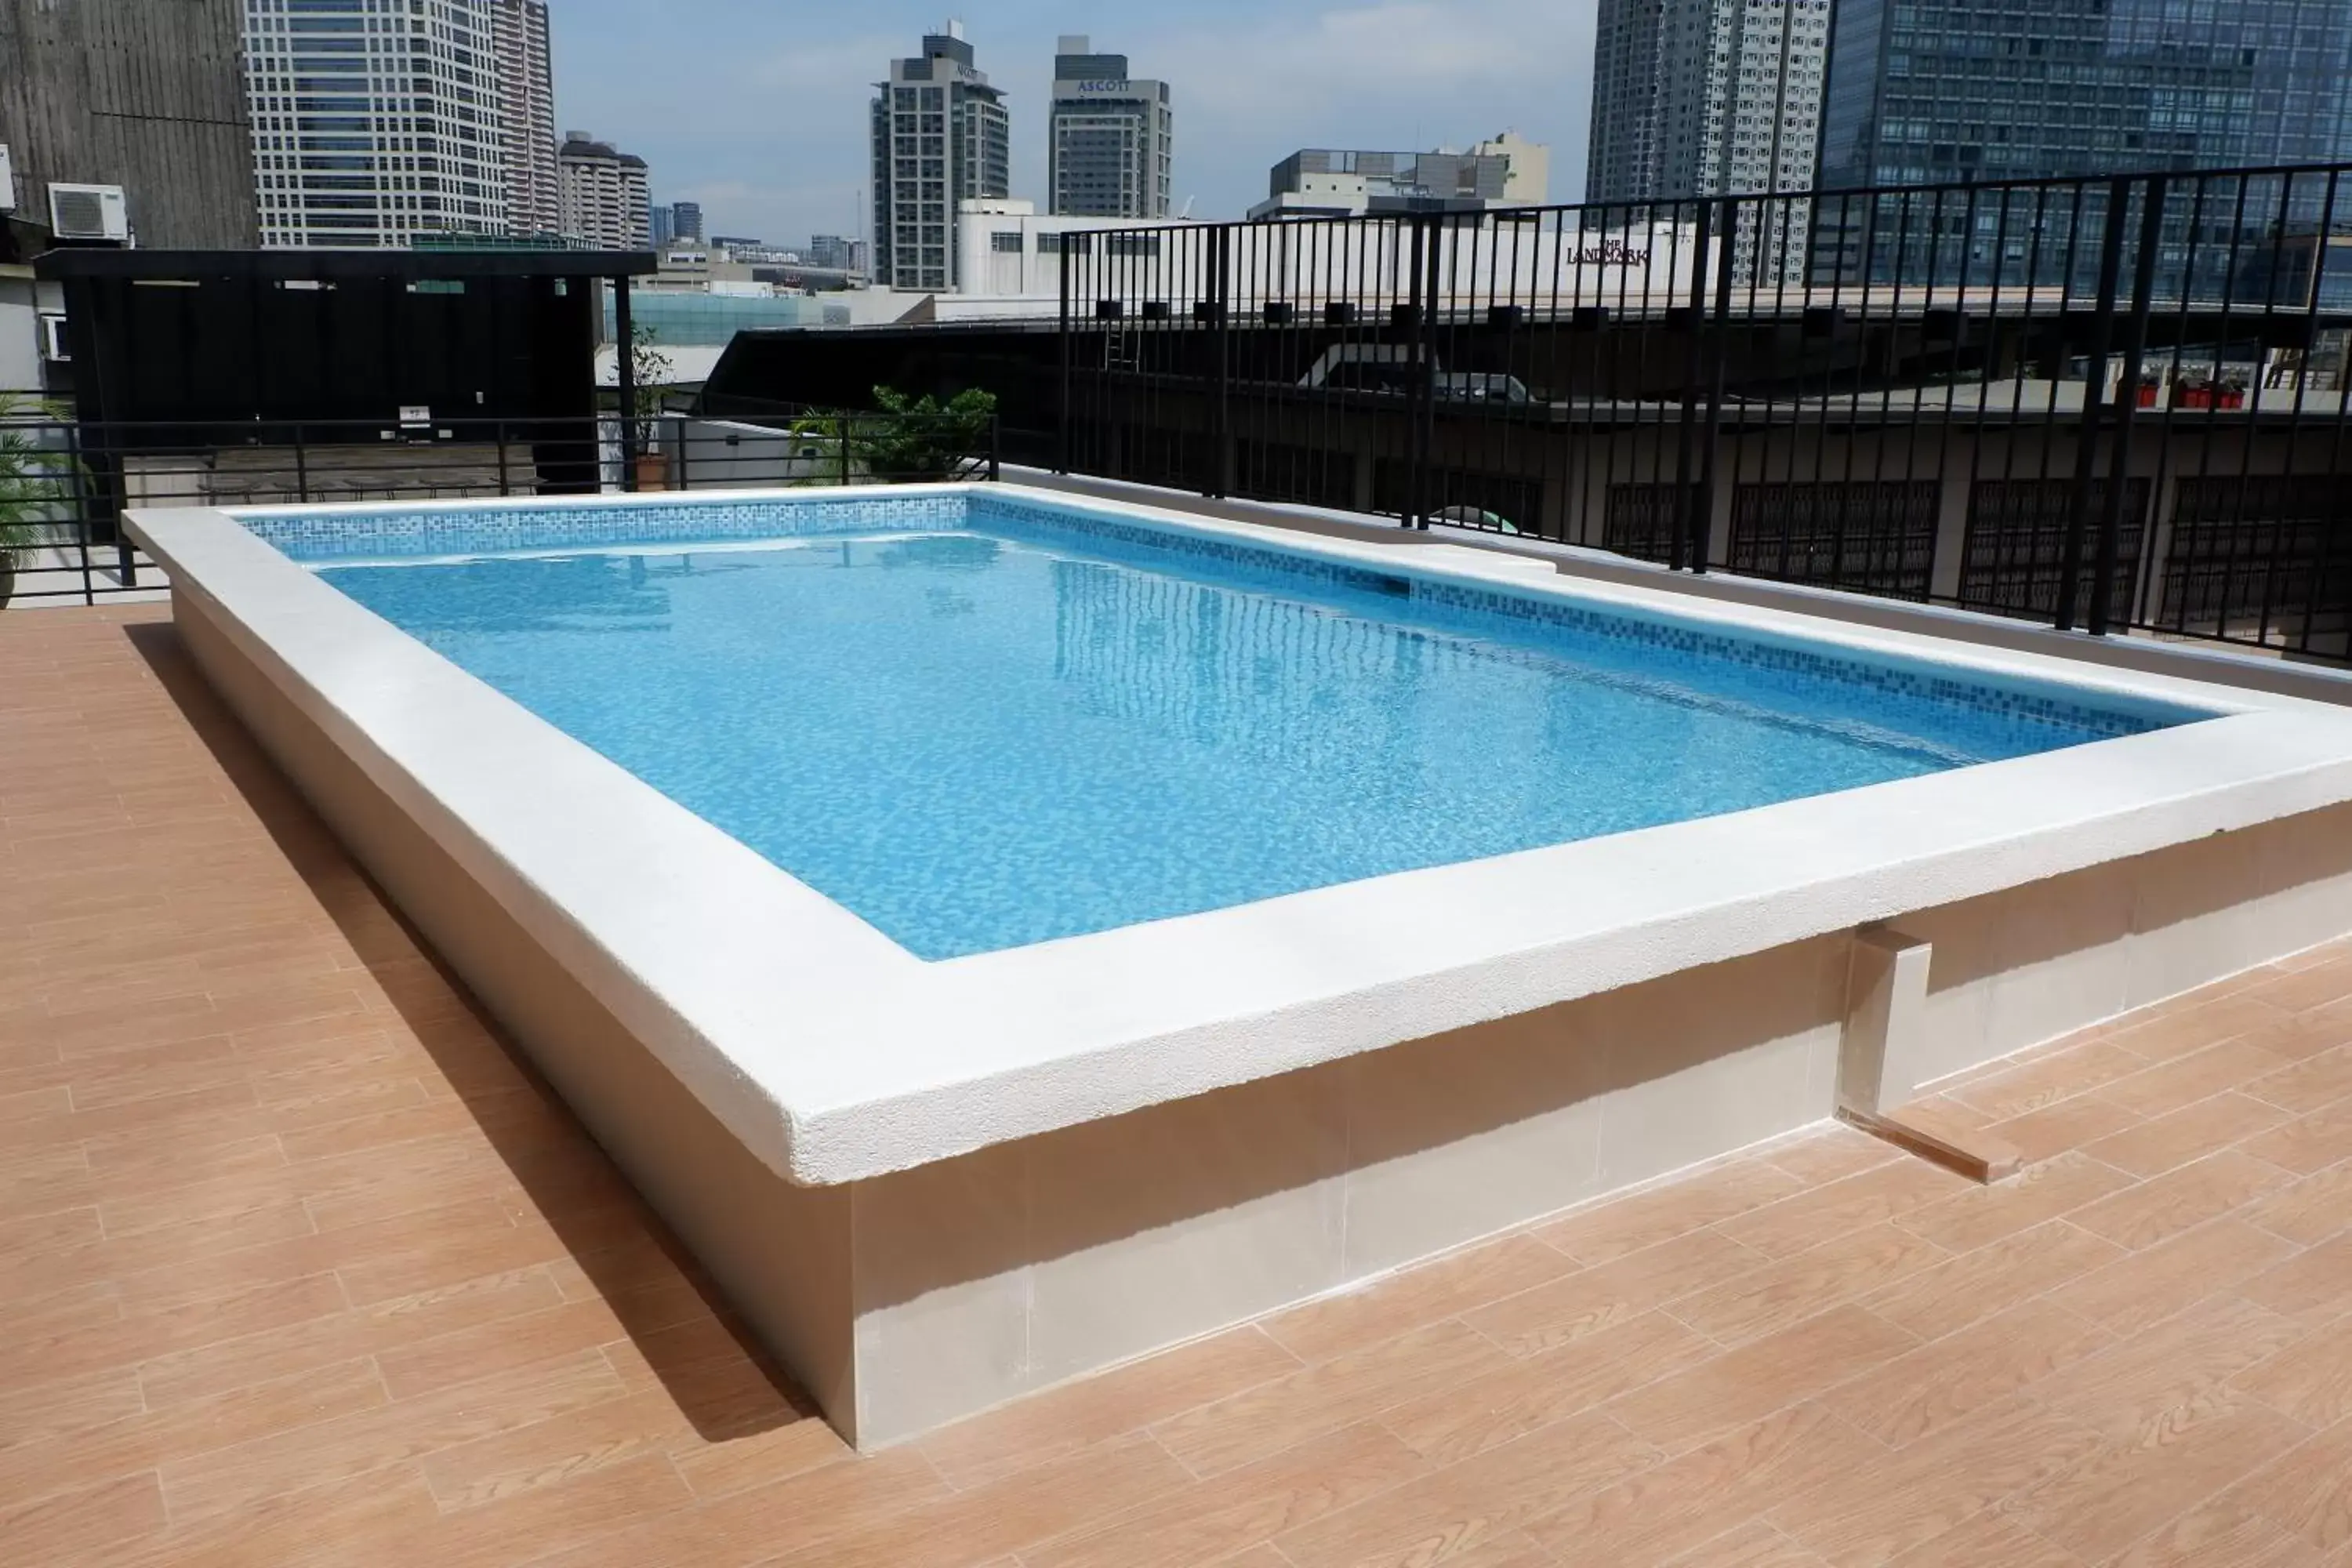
[{"x": 1018, "y": 727}]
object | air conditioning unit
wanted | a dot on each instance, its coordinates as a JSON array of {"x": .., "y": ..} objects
[
  {"x": 53, "y": 339},
  {"x": 89, "y": 212}
]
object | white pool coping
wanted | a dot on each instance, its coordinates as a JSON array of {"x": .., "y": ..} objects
[{"x": 835, "y": 1055}]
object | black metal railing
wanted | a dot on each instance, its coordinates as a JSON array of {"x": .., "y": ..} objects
[
  {"x": 65, "y": 483},
  {"x": 2108, "y": 403}
]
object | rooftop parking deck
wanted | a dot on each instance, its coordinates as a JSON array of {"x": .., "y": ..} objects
[{"x": 300, "y": 1263}]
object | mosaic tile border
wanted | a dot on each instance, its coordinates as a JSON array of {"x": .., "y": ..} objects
[
  {"x": 1919, "y": 681},
  {"x": 391, "y": 534},
  {"x": 318, "y": 537}
]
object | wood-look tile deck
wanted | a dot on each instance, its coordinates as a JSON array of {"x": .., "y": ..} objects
[{"x": 299, "y": 1263}]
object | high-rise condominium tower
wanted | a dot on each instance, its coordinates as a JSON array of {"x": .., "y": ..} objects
[
  {"x": 1107, "y": 137},
  {"x": 375, "y": 120},
  {"x": 527, "y": 114},
  {"x": 605, "y": 200},
  {"x": 1705, "y": 97},
  {"x": 941, "y": 136}
]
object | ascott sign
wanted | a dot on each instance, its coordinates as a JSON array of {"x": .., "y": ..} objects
[{"x": 1106, "y": 88}]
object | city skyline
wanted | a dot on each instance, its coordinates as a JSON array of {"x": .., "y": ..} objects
[{"x": 771, "y": 133}]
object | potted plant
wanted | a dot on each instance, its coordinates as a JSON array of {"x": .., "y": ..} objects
[
  {"x": 32, "y": 482},
  {"x": 649, "y": 371}
]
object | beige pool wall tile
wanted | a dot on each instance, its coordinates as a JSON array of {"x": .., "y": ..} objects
[
  {"x": 1469, "y": 1133},
  {"x": 1170, "y": 1223}
]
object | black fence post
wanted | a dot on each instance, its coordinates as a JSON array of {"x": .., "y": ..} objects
[
  {"x": 1062, "y": 465},
  {"x": 1221, "y": 309},
  {"x": 2095, "y": 391},
  {"x": 2151, "y": 234},
  {"x": 1694, "y": 324},
  {"x": 1421, "y": 304},
  {"x": 1718, "y": 330},
  {"x": 996, "y": 448},
  {"x": 624, "y": 336},
  {"x": 302, "y": 466},
  {"x": 84, "y": 493}
]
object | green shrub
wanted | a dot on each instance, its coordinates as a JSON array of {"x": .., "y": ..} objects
[{"x": 921, "y": 438}]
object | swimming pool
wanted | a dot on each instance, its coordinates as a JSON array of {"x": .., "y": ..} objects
[
  {"x": 1413, "y": 892},
  {"x": 1034, "y": 725}
]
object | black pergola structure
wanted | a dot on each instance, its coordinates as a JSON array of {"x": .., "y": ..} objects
[{"x": 199, "y": 350}]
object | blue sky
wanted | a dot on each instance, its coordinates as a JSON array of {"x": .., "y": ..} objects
[{"x": 758, "y": 110}]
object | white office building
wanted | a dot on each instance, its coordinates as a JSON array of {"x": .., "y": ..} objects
[
  {"x": 607, "y": 202},
  {"x": 1327, "y": 182},
  {"x": 942, "y": 136},
  {"x": 1702, "y": 98},
  {"x": 375, "y": 120},
  {"x": 1110, "y": 137},
  {"x": 527, "y": 112}
]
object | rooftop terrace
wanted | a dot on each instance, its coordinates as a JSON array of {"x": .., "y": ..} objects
[{"x": 300, "y": 1263}]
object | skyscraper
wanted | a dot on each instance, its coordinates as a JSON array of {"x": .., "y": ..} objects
[
  {"x": 1107, "y": 137},
  {"x": 1706, "y": 96},
  {"x": 665, "y": 225},
  {"x": 527, "y": 116},
  {"x": 1935, "y": 92},
  {"x": 605, "y": 194},
  {"x": 941, "y": 136},
  {"x": 685, "y": 220},
  {"x": 374, "y": 121}
]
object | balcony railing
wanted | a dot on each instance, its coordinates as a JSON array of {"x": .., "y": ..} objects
[{"x": 2111, "y": 403}]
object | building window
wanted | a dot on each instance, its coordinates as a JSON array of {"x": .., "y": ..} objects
[{"x": 1006, "y": 242}]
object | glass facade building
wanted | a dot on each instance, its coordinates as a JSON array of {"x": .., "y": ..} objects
[{"x": 1942, "y": 91}]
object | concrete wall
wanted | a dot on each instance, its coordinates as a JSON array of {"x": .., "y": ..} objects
[
  {"x": 144, "y": 94},
  {"x": 20, "y": 334}
]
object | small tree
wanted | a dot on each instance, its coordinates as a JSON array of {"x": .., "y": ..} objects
[
  {"x": 649, "y": 372},
  {"x": 921, "y": 438}
]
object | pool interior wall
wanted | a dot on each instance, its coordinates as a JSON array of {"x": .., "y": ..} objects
[
  {"x": 905, "y": 1300},
  {"x": 1049, "y": 721}
]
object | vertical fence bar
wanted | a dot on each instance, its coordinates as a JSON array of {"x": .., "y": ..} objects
[
  {"x": 624, "y": 341},
  {"x": 1718, "y": 330},
  {"x": 2151, "y": 234},
  {"x": 2094, "y": 387},
  {"x": 1692, "y": 324},
  {"x": 1221, "y": 323},
  {"x": 82, "y": 490},
  {"x": 1421, "y": 378}
]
